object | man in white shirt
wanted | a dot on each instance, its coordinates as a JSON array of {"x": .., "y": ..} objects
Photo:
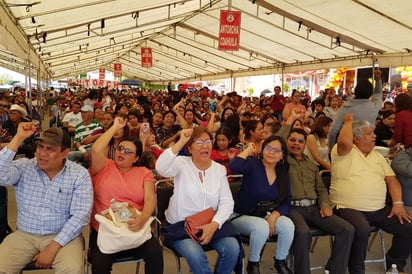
[{"x": 72, "y": 119}]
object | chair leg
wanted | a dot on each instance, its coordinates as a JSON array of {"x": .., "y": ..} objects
[
  {"x": 383, "y": 249},
  {"x": 372, "y": 240},
  {"x": 179, "y": 265},
  {"x": 137, "y": 267},
  {"x": 315, "y": 241},
  {"x": 382, "y": 234}
]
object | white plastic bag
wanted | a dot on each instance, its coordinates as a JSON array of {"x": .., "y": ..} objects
[{"x": 113, "y": 238}]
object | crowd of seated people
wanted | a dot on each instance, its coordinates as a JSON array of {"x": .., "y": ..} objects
[{"x": 196, "y": 129}]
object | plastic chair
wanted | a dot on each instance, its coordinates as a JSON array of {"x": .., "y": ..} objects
[
  {"x": 31, "y": 266},
  {"x": 123, "y": 260},
  {"x": 164, "y": 190},
  {"x": 326, "y": 177},
  {"x": 377, "y": 231}
]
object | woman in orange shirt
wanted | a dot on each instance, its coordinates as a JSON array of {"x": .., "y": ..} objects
[{"x": 121, "y": 179}]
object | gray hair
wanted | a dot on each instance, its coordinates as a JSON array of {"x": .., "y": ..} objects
[{"x": 357, "y": 127}]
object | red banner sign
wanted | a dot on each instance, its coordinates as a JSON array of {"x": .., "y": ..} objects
[
  {"x": 229, "y": 30},
  {"x": 95, "y": 83},
  {"x": 102, "y": 73},
  {"x": 147, "y": 60},
  {"x": 117, "y": 70}
]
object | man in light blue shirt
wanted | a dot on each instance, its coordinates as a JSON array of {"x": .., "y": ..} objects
[
  {"x": 54, "y": 198},
  {"x": 364, "y": 107}
]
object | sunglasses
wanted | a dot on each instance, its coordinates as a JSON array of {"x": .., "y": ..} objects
[
  {"x": 4, "y": 106},
  {"x": 273, "y": 149},
  {"x": 294, "y": 140},
  {"x": 126, "y": 151}
]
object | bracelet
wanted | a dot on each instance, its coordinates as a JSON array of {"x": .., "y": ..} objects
[{"x": 397, "y": 203}]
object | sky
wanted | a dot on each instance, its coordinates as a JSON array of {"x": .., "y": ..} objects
[{"x": 14, "y": 75}]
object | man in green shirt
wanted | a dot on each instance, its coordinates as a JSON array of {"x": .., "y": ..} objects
[
  {"x": 311, "y": 207},
  {"x": 89, "y": 127}
]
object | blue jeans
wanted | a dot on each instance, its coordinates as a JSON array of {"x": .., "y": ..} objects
[
  {"x": 227, "y": 247},
  {"x": 258, "y": 231}
]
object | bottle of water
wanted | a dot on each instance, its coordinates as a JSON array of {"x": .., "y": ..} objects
[{"x": 393, "y": 269}]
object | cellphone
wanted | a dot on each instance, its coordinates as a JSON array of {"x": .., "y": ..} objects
[
  {"x": 145, "y": 128},
  {"x": 375, "y": 65},
  {"x": 212, "y": 107}
]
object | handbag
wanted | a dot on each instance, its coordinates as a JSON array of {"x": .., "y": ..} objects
[
  {"x": 193, "y": 221},
  {"x": 115, "y": 236},
  {"x": 263, "y": 207}
]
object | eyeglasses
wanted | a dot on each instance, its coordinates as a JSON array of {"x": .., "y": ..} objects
[
  {"x": 294, "y": 140},
  {"x": 273, "y": 149},
  {"x": 202, "y": 142},
  {"x": 126, "y": 151},
  {"x": 4, "y": 106}
]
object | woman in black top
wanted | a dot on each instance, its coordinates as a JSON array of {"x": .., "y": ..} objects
[{"x": 384, "y": 129}]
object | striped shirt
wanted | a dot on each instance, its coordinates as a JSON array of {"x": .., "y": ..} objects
[
  {"x": 83, "y": 131},
  {"x": 61, "y": 206}
]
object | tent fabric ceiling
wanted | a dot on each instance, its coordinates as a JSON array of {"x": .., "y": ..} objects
[{"x": 66, "y": 38}]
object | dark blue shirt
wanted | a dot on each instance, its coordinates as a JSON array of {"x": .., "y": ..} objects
[{"x": 255, "y": 186}]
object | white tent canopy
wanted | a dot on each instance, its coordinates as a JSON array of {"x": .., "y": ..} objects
[{"x": 66, "y": 38}]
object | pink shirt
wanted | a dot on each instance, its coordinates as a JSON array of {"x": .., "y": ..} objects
[
  {"x": 300, "y": 107},
  {"x": 128, "y": 187}
]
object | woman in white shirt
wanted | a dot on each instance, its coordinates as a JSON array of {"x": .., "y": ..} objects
[{"x": 199, "y": 183}]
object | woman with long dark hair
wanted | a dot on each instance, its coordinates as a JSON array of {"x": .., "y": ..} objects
[
  {"x": 384, "y": 129},
  {"x": 168, "y": 134},
  {"x": 403, "y": 121},
  {"x": 253, "y": 133},
  {"x": 317, "y": 148},
  {"x": 264, "y": 179},
  {"x": 224, "y": 148},
  {"x": 295, "y": 105},
  {"x": 212, "y": 126}
]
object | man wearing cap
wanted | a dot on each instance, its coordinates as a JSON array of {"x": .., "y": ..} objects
[
  {"x": 84, "y": 129},
  {"x": 54, "y": 199}
]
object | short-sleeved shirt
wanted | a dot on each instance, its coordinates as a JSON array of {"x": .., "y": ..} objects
[
  {"x": 109, "y": 183},
  {"x": 73, "y": 119},
  {"x": 358, "y": 181}
]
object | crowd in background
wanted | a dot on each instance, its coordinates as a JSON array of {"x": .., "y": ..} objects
[{"x": 240, "y": 131}]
